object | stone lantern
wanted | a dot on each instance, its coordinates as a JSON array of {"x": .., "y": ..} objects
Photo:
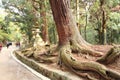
[{"x": 38, "y": 40}]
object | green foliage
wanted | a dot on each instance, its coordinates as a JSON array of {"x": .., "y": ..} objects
[
  {"x": 91, "y": 35},
  {"x": 4, "y": 29},
  {"x": 115, "y": 17},
  {"x": 20, "y": 13},
  {"x": 53, "y": 34},
  {"x": 113, "y": 3},
  {"x": 5, "y": 36},
  {"x": 114, "y": 28},
  {"x": 51, "y": 29}
]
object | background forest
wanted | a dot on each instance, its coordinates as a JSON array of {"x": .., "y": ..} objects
[
  {"x": 98, "y": 20},
  {"x": 64, "y": 23}
]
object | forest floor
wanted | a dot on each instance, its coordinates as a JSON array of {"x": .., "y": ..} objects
[
  {"x": 86, "y": 57},
  {"x": 53, "y": 64}
]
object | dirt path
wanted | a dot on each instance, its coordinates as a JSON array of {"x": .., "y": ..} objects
[{"x": 10, "y": 69}]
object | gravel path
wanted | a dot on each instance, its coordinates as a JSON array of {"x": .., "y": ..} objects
[{"x": 10, "y": 69}]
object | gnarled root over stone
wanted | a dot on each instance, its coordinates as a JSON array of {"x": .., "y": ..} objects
[
  {"x": 111, "y": 56},
  {"x": 39, "y": 53},
  {"x": 73, "y": 64}
]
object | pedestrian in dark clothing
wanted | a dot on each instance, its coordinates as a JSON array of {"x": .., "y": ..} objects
[{"x": 8, "y": 44}]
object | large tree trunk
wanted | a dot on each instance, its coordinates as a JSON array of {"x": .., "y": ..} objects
[
  {"x": 70, "y": 39},
  {"x": 67, "y": 28}
]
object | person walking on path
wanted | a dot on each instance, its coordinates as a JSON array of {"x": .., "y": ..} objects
[{"x": 0, "y": 46}]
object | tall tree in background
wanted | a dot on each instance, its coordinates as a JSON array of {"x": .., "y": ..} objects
[
  {"x": 40, "y": 6},
  {"x": 77, "y": 13},
  {"x": 99, "y": 16},
  {"x": 45, "y": 35},
  {"x": 103, "y": 21}
]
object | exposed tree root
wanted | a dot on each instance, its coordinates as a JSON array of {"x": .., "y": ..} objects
[
  {"x": 39, "y": 53},
  {"x": 83, "y": 74},
  {"x": 47, "y": 60},
  {"x": 52, "y": 50},
  {"x": 66, "y": 57},
  {"x": 70, "y": 62},
  {"x": 111, "y": 55},
  {"x": 76, "y": 46},
  {"x": 28, "y": 51}
]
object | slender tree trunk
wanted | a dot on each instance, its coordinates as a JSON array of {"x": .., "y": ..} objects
[
  {"x": 103, "y": 25},
  {"x": 45, "y": 35},
  {"x": 77, "y": 11},
  {"x": 77, "y": 14},
  {"x": 40, "y": 6},
  {"x": 86, "y": 27},
  {"x": 34, "y": 27}
]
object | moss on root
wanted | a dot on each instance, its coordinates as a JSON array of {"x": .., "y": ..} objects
[{"x": 111, "y": 56}]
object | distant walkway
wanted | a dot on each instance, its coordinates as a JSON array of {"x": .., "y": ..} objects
[{"x": 10, "y": 69}]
